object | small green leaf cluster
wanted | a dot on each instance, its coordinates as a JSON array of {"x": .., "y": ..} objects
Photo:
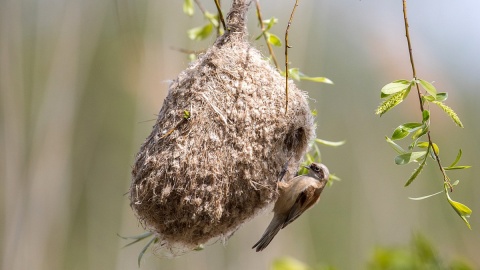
[
  {"x": 420, "y": 255},
  {"x": 420, "y": 149},
  {"x": 395, "y": 92},
  {"x": 202, "y": 32},
  {"x": 270, "y": 37}
]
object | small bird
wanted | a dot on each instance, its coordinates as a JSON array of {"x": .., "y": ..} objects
[{"x": 296, "y": 196}]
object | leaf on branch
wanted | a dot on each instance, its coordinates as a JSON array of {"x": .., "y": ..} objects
[
  {"x": 456, "y": 168},
  {"x": 270, "y": 22},
  {"x": 329, "y": 143},
  {"x": 450, "y": 113},
  {"x": 213, "y": 18},
  {"x": 395, "y": 146},
  {"x": 425, "y": 116},
  {"x": 294, "y": 73},
  {"x": 200, "y": 33},
  {"x": 391, "y": 102},
  {"x": 136, "y": 238},
  {"x": 416, "y": 172},
  {"x": 140, "y": 255},
  {"x": 316, "y": 79},
  {"x": 425, "y": 197},
  {"x": 441, "y": 96},
  {"x": 462, "y": 210},
  {"x": 427, "y": 144},
  {"x": 188, "y": 7},
  {"x": 403, "y": 130},
  {"x": 273, "y": 39},
  {"x": 409, "y": 157},
  {"x": 420, "y": 132},
  {"x": 394, "y": 87},
  {"x": 457, "y": 159},
  {"x": 428, "y": 87}
]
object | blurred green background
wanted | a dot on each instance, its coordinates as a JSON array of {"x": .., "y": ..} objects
[{"x": 81, "y": 82}]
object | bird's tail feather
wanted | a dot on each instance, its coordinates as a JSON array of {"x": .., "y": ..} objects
[{"x": 272, "y": 230}]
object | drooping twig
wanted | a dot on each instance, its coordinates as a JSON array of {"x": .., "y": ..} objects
[
  {"x": 220, "y": 14},
  {"x": 287, "y": 46},
  {"x": 262, "y": 25},
  {"x": 410, "y": 53},
  {"x": 202, "y": 9},
  {"x": 186, "y": 51}
]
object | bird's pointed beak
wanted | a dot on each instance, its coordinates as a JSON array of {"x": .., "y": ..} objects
[{"x": 308, "y": 167}]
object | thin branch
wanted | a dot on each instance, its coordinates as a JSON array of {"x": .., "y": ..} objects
[
  {"x": 186, "y": 51},
  {"x": 220, "y": 14},
  {"x": 430, "y": 142},
  {"x": 287, "y": 46},
  {"x": 202, "y": 9},
  {"x": 262, "y": 25}
]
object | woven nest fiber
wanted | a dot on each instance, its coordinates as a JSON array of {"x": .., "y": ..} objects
[{"x": 197, "y": 178}]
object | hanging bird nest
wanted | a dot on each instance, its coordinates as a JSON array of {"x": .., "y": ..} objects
[{"x": 221, "y": 140}]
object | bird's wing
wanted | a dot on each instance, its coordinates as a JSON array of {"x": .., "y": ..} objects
[{"x": 305, "y": 199}]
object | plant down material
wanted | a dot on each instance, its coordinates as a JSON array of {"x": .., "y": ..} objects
[{"x": 221, "y": 140}]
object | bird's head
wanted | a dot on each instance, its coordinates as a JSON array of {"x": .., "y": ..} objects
[{"x": 319, "y": 170}]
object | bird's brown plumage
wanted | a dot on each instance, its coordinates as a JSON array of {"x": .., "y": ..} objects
[{"x": 301, "y": 193}]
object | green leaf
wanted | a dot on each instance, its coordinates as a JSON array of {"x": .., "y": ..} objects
[
  {"x": 199, "y": 248},
  {"x": 273, "y": 39},
  {"x": 186, "y": 114},
  {"x": 395, "y": 87},
  {"x": 316, "y": 79},
  {"x": 188, "y": 7},
  {"x": 456, "y": 168},
  {"x": 212, "y": 18},
  {"x": 140, "y": 255},
  {"x": 441, "y": 96},
  {"x": 426, "y": 144},
  {"x": 192, "y": 57},
  {"x": 428, "y": 87},
  {"x": 270, "y": 22},
  {"x": 333, "y": 177},
  {"x": 412, "y": 126},
  {"x": 462, "y": 210},
  {"x": 200, "y": 33},
  {"x": 317, "y": 155},
  {"x": 419, "y": 133},
  {"x": 409, "y": 157},
  {"x": 415, "y": 173},
  {"x": 391, "y": 102},
  {"x": 425, "y": 197},
  {"x": 395, "y": 146},
  {"x": 136, "y": 238},
  {"x": 294, "y": 73},
  {"x": 329, "y": 143},
  {"x": 399, "y": 133},
  {"x": 449, "y": 112},
  {"x": 457, "y": 159},
  {"x": 403, "y": 130},
  {"x": 287, "y": 263},
  {"x": 428, "y": 98},
  {"x": 413, "y": 144},
  {"x": 425, "y": 116}
]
